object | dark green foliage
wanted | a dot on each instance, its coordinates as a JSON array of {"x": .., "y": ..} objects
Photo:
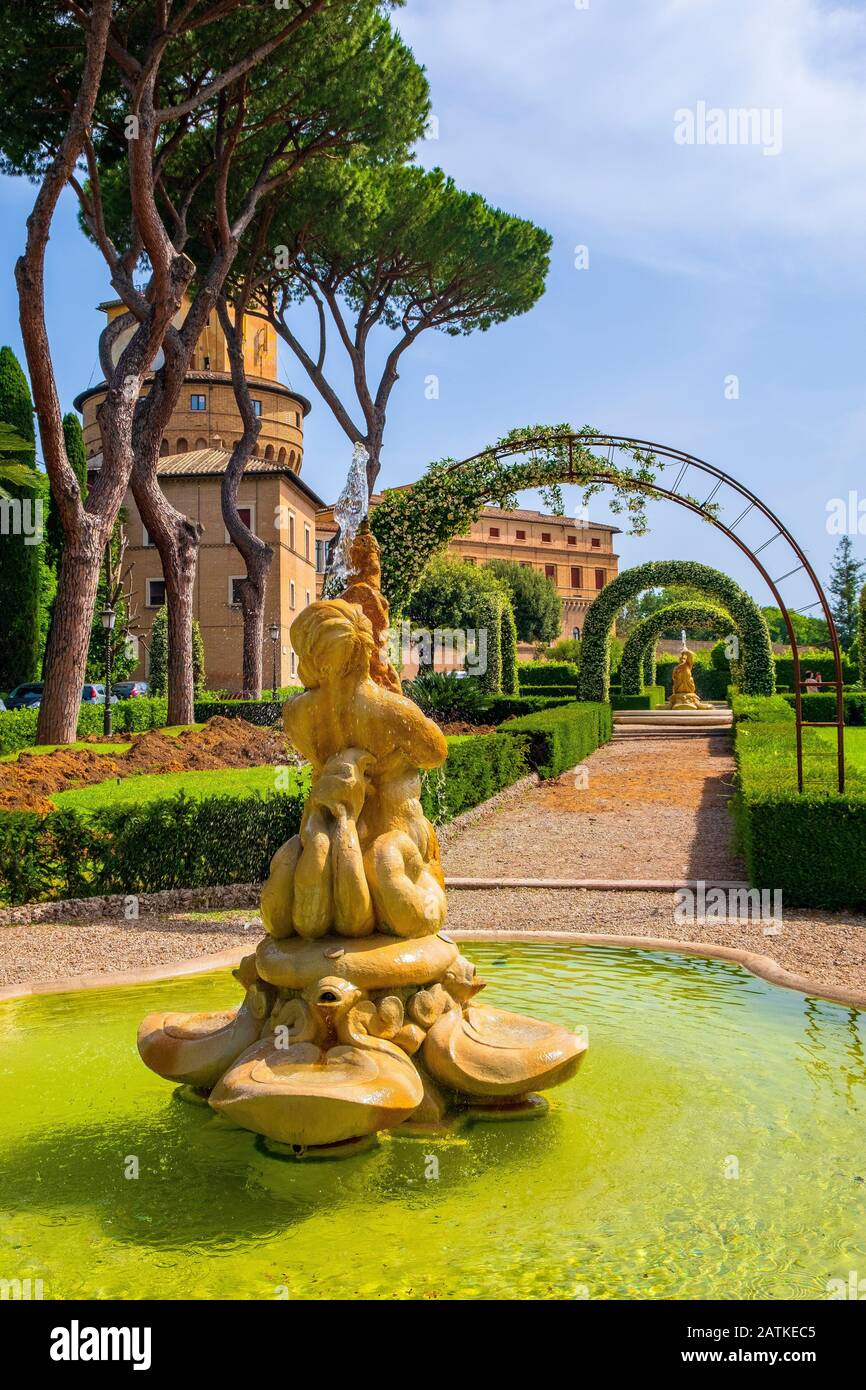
[
  {"x": 263, "y": 712},
  {"x": 534, "y": 598},
  {"x": 809, "y": 844},
  {"x": 652, "y": 697},
  {"x": 454, "y": 596},
  {"x": 861, "y": 635},
  {"x": 18, "y": 726},
  {"x": 823, "y": 665},
  {"x": 178, "y": 842},
  {"x": 821, "y": 706},
  {"x": 508, "y": 644},
  {"x": 494, "y": 709},
  {"x": 447, "y": 697},
  {"x": 638, "y": 657},
  {"x": 846, "y": 578},
  {"x": 541, "y": 673},
  {"x": 73, "y": 436},
  {"x": 158, "y": 676},
  {"x": 562, "y": 737},
  {"x": 758, "y": 676},
  {"x": 20, "y": 568},
  {"x": 476, "y": 769}
]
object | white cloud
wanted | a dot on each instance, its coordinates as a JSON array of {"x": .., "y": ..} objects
[{"x": 568, "y": 115}]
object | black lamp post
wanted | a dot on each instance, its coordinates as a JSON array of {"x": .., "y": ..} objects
[
  {"x": 274, "y": 631},
  {"x": 108, "y": 624}
]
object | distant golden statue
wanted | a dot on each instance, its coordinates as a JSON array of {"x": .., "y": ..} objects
[
  {"x": 684, "y": 693},
  {"x": 366, "y": 857}
]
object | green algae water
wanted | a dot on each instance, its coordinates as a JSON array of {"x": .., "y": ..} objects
[{"x": 711, "y": 1146}]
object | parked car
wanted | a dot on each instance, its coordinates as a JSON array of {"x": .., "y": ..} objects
[
  {"x": 94, "y": 694},
  {"x": 128, "y": 690},
  {"x": 22, "y": 696}
]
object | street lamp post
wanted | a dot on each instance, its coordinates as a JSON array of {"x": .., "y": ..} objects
[
  {"x": 274, "y": 631},
  {"x": 108, "y": 624}
]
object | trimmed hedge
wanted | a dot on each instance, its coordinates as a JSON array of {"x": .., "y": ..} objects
[
  {"x": 810, "y": 844},
  {"x": 652, "y": 697},
  {"x": 561, "y": 738},
  {"x": 824, "y": 666},
  {"x": 477, "y": 768},
  {"x": 494, "y": 709},
  {"x": 821, "y": 706},
  {"x": 535, "y": 673},
  {"x": 18, "y": 726},
  {"x": 177, "y": 842},
  {"x": 638, "y": 666},
  {"x": 263, "y": 712},
  {"x": 595, "y": 662}
]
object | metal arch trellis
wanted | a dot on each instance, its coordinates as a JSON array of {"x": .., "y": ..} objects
[{"x": 670, "y": 456}]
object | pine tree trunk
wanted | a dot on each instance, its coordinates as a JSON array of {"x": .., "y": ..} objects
[
  {"x": 176, "y": 538},
  {"x": 253, "y": 590},
  {"x": 69, "y": 638}
]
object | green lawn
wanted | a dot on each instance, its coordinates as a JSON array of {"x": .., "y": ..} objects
[
  {"x": 133, "y": 791},
  {"x": 113, "y": 748},
  {"x": 855, "y": 746}
]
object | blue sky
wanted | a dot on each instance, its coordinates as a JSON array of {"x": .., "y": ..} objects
[{"x": 705, "y": 261}]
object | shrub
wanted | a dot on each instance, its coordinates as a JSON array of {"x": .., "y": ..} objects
[
  {"x": 18, "y": 726},
  {"x": 761, "y": 709},
  {"x": 263, "y": 712},
  {"x": 758, "y": 677},
  {"x": 822, "y": 663},
  {"x": 173, "y": 843},
  {"x": 494, "y": 709},
  {"x": 809, "y": 844},
  {"x": 652, "y": 698},
  {"x": 477, "y": 768},
  {"x": 540, "y": 673},
  {"x": 561, "y": 737},
  {"x": 820, "y": 706},
  {"x": 447, "y": 697}
]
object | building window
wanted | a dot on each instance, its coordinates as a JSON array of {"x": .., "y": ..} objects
[
  {"x": 235, "y": 582},
  {"x": 291, "y": 530},
  {"x": 306, "y": 598},
  {"x": 321, "y": 556},
  {"x": 469, "y": 559},
  {"x": 182, "y": 445},
  {"x": 576, "y": 577},
  {"x": 281, "y": 456},
  {"x": 163, "y": 449},
  {"x": 145, "y": 538},
  {"x": 291, "y": 593},
  {"x": 201, "y": 443},
  {"x": 269, "y": 451},
  {"x": 155, "y": 593},
  {"x": 306, "y": 542},
  {"x": 247, "y": 514},
  {"x": 257, "y": 408},
  {"x": 293, "y": 663},
  {"x": 520, "y": 535},
  {"x": 599, "y": 579},
  {"x": 550, "y": 572},
  {"x": 494, "y": 532},
  {"x": 545, "y": 535},
  {"x": 198, "y": 402},
  {"x": 572, "y": 540},
  {"x": 526, "y": 564},
  {"x": 596, "y": 543}
]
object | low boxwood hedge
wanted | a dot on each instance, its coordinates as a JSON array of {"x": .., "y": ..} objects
[
  {"x": 18, "y": 726},
  {"x": 494, "y": 709},
  {"x": 265, "y": 712},
  {"x": 562, "y": 737},
  {"x": 820, "y": 706},
  {"x": 478, "y": 766},
  {"x": 652, "y": 697},
  {"x": 534, "y": 673},
  {"x": 809, "y": 844}
]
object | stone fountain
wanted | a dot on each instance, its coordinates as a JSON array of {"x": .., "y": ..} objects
[
  {"x": 360, "y": 1014},
  {"x": 684, "y": 695}
]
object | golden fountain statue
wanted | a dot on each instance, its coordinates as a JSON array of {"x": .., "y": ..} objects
[
  {"x": 359, "y": 1013},
  {"x": 684, "y": 694}
]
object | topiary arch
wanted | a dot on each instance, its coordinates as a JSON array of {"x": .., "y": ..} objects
[
  {"x": 638, "y": 658},
  {"x": 759, "y": 676}
]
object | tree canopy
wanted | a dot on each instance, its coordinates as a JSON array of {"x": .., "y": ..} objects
[{"x": 534, "y": 598}]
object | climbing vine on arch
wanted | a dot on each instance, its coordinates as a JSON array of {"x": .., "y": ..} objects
[
  {"x": 638, "y": 657},
  {"x": 413, "y": 524},
  {"x": 759, "y": 676}
]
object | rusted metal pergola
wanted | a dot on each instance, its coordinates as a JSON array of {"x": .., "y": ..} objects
[{"x": 689, "y": 465}]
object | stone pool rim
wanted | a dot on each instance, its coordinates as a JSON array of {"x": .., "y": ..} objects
[{"x": 765, "y": 967}]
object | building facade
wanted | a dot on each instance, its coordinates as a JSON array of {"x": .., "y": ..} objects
[
  {"x": 273, "y": 499},
  {"x": 577, "y": 556}
]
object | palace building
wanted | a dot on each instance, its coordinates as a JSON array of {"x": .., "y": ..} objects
[{"x": 283, "y": 510}]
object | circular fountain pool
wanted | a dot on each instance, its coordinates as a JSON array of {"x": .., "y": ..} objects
[{"x": 710, "y": 1147}]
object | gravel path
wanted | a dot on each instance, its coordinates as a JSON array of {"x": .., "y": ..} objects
[{"x": 653, "y": 808}]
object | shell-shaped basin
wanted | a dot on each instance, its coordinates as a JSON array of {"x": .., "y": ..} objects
[
  {"x": 490, "y": 1054},
  {"x": 303, "y": 1096},
  {"x": 196, "y": 1048}
]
